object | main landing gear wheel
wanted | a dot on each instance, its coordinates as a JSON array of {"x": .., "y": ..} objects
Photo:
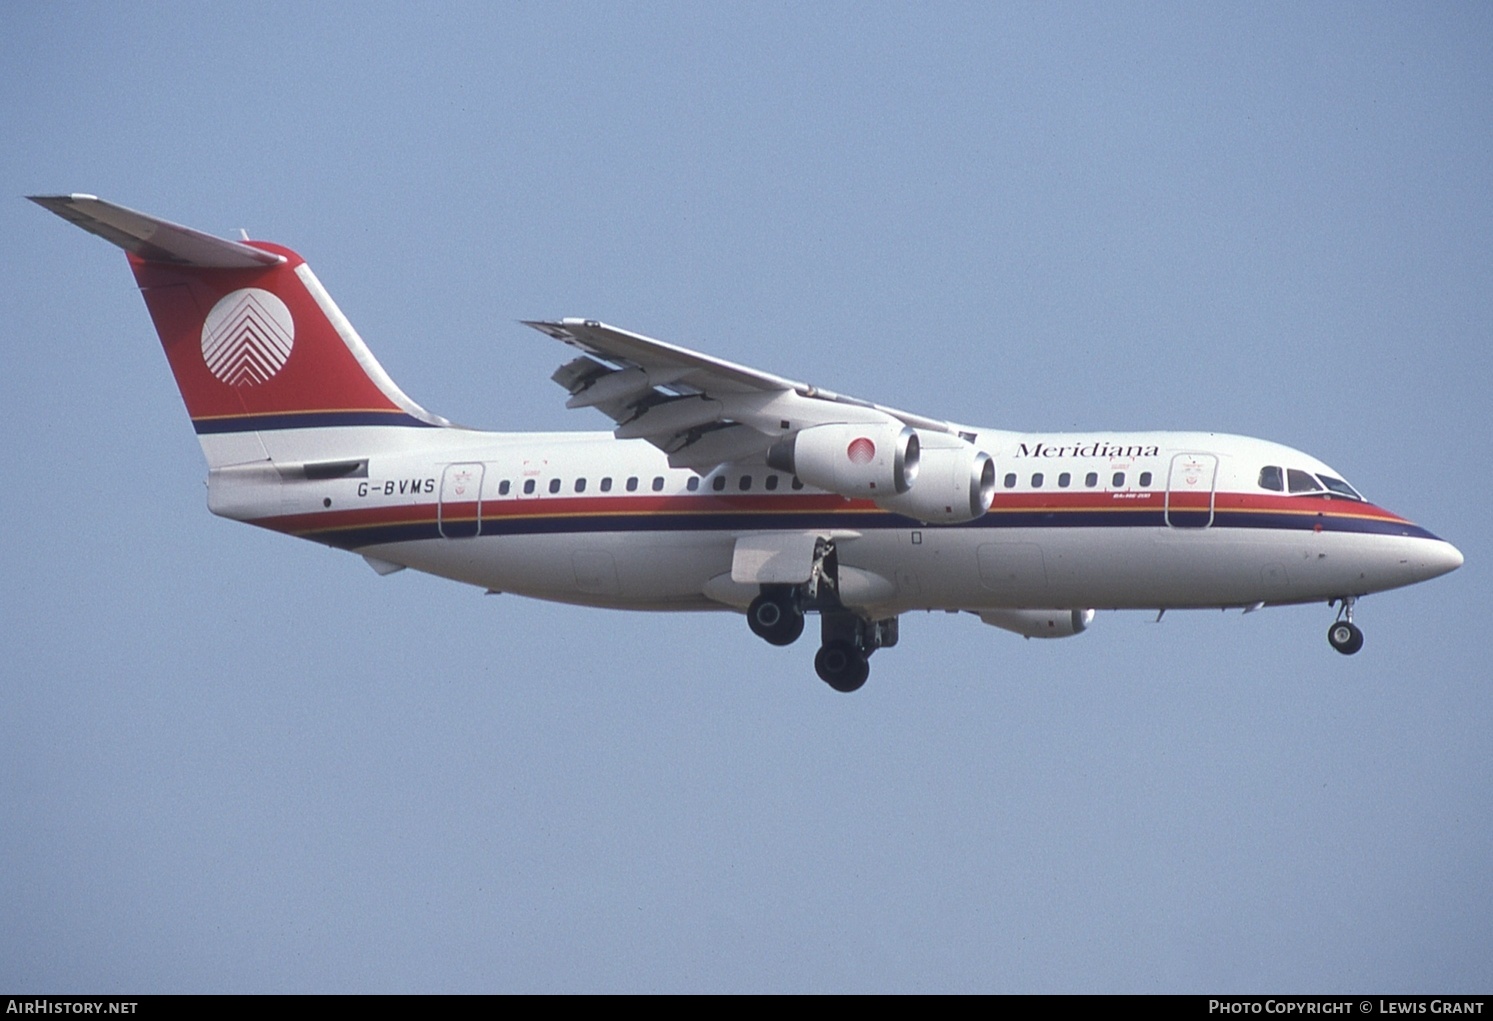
[
  {"x": 775, "y": 619},
  {"x": 1345, "y": 637},
  {"x": 842, "y": 666}
]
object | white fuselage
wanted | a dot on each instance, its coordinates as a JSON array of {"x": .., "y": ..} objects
[{"x": 1149, "y": 520}]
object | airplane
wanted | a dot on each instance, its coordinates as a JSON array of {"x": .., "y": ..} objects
[{"x": 723, "y": 487}]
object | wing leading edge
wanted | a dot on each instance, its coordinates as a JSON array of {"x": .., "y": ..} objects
[{"x": 701, "y": 411}]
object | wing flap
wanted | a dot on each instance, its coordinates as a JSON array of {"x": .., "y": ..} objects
[
  {"x": 671, "y": 417},
  {"x": 624, "y": 385}
]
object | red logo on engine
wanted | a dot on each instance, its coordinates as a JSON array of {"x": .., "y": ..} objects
[{"x": 860, "y": 451}]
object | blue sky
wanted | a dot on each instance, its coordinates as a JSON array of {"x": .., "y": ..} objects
[{"x": 239, "y": 763}]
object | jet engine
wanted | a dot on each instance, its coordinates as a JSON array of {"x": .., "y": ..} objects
[
  {"x": 956, "y": 483},
  {"x": 852, "y": 459},
  {"x": 1039, "y": 623}
]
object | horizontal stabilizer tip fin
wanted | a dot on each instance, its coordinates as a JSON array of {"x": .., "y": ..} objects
[{"x": 152, "y": 239}]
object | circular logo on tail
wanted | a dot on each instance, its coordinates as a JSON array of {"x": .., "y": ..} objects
[
  {"x": 861, "y": 450},
  {"x": 247, "y": 337}
]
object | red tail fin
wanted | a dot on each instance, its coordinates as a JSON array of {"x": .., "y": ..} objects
[
  {"x": 266, "y": 348},
  {"x": 254, "y": 340}
]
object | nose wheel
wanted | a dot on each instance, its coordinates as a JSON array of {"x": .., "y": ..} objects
[{"x": 1344, "y": 635}]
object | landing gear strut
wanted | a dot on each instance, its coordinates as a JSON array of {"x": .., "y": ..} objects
[{"x": 1344, "y": 635}]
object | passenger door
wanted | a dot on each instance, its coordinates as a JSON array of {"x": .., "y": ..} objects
[
  {"x": 460, "y": 512},
  {"x": 1189, "y": 490}
]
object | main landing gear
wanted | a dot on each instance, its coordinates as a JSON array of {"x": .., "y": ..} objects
[
  {"x": 775, "y": 615},
  {"x": 847, "y": 638},
  {"x": 842, "y": 666},
  {"x": 1344, "y": 635}
]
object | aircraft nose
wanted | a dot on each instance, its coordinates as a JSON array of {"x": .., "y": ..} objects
[{"x": 1439, "y": 558}]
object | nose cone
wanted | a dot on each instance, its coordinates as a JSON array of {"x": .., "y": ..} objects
[{"x": 1437, "y": 558}]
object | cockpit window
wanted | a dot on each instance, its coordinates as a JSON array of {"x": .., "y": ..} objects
[
  {"x": 1270, "y": 478},
  {"x": 1337, "y": 487},
  {"x": 1302, "y": 482}
]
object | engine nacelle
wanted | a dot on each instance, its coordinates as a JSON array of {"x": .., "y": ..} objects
[
  {"x": 1039, "y": 623},
  {"x": 956, "y": 483},
  {"x": 852, "y": 459}
]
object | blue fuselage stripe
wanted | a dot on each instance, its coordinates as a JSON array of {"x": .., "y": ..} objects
[
  {"x": 306, "y": 420},
  {"x": 515, "y": 525}
]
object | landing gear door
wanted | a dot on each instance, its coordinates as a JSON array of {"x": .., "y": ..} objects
[
  {"x": 1189, "y": 490},
  {"x": 781, "y": 558},
  {"x": 461, "y": 501}
]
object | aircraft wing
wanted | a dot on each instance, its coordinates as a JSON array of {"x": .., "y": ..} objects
[{"x": 701, "y": 411}]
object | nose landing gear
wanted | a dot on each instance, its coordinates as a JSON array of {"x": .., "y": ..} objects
[{"x": 1344, "y": 635}]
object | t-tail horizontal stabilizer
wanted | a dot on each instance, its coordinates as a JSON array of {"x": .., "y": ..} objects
[
  {"x": 152, "y": 239},
  {"x": 267, "y": 365}
]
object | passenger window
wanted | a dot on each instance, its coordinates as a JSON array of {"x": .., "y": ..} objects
[
  {"x": 503, "y": 488},
  {"x": 658, "y": 483},
  {"x": 798, "y": 483},
  {"x": 1037, "y": 480},
  {"x": 1119, "y": 480},
  {"x": 771, "y": 483},
  {"x": 554, "y": 485},
  {"x": 718, "y": 483},
  {"x": 745, "y": 483},
  {"x": 580, "y": 485},
  {"x": 632, "y": 484},
  {"x": 529, "y": 487},
  {"x": 1010, "y": 480},
  {"x": 1064, "y": 480},
  {"x": 1301, "y": 482},
  {"x": 693, "y": 483},
  {"x": 1145, "y": 479},
  {"x": 1091, "y": 479},
  {"x": 606, "y": 483},
  {"x": 1270, "y": 479}
]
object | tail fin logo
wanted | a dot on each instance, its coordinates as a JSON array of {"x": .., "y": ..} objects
[{"x": 247, "y": 337}]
